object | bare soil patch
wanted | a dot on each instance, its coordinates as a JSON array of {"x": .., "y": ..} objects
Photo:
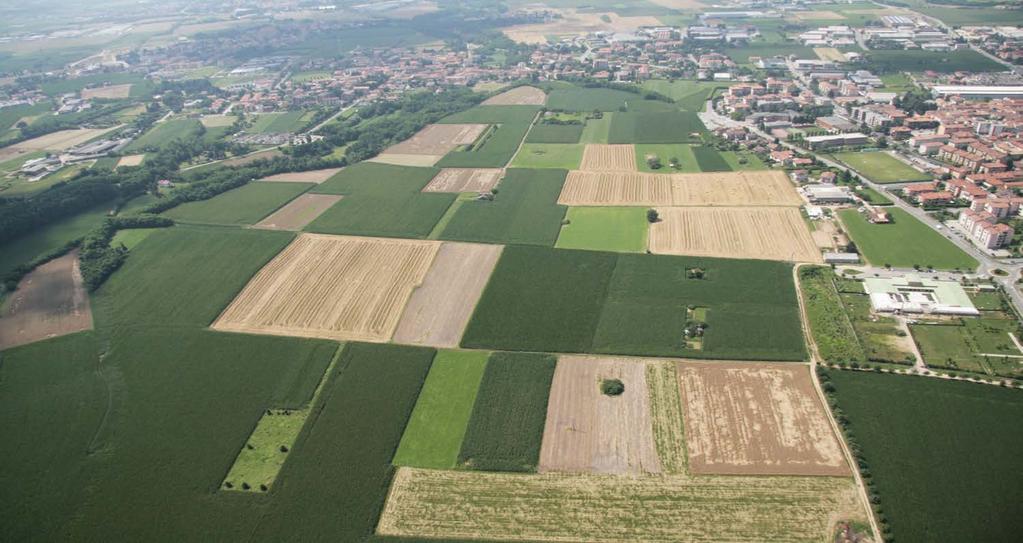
[
  {"x": 333, "y": 287},
  {"x": 439, "y": 310},
  {"x": 829, "y": 53},
  {"x": 110, "y": 91},
  {"x": 310, "y": 176},
  {"x": 464, "y": 180},
  {"x": 603, "y": 157},
  {"x": 818, "y": 15},
  {"x": 590, "y": 432},
  {"x": 595, "y": 188},
  {"x": 438, "y": 139},
  {"x": 426, "y": 503},
  {"x": 131, "y": 160},
  {"x": 762, "y": 419},
  {"x": 770, "y": 233},
  {"x": 50, "y": 301},
  {"x": 299, "y": 212},
  {"x": 827, "y": 235},
  {"x": 214, "y": 121},
  {"x": 519, "y": 96}
]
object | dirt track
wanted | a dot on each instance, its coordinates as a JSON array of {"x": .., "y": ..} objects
[
  {"x": 519, "y": 96},
  {"x": 756, "y": 419},
  {"x": 606, "y": 158},
  {"x": 594, "y": 188},
  {"x": 589, "y": 432},
  {"x": 50, "y": 301},
  {"x": 438, "y": 139},
  {"x": 769, "y": 233},
  {"x": 439, "y": 310},
  {"x": 334, "y": 287},
  {"x": 464, "y": 180},
  {"x": 298, "y": 212},
  {"x": 310, "y": 176}
]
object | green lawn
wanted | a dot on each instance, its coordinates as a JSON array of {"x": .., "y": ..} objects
[
  {"x": 289, "y": 121},
  {"x": 617, "y": 229},
  {"x": 832, "y": 330},
  {"x": 246, "y": 204},
  {"x": 880, "y": 167},
  {"x": 666, "y": 151},
  {"x": 656, "y": 127},
  {"x": 942, "y": 455},
  {"x": 597, "y": 130},
  {"x": 903, "y": 243},
  {"x": 742, "y": 161},
  {"x": 434, "y": 434},
  {"x": 873, "y": 197},
  {"x": 565, "y": 156},
  {"x": 555, "y": 133},
  {"x": 163, "y": 133},
  {"x": 261, "y": 458},
  {"x": 973, "y": 346},
  {"x": 897, "y": 82}
]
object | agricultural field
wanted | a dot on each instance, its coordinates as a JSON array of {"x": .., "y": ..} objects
[
  {"x": 130, "y": 160},
  {"x": 460, "y": 180},
  {"x": 708, "y": 159},
  {"x": 617, "y": 229},
  {"x": 777, "y": 233},
  {"x": 880, "y": 167},
  {"x": 884, "y": 62},
  {"x": 597, "y": 130},
  {"x": 833, "y": 332},
  {"x": 494, "y": 150},
  {"x": 768, "y": 188},
  {"x": 308, "y": 176},
  {"x": 656, "y": 127},
  {"x": 217, "y": 121},
  {"x": 55, "y": 141},
  {"x": 524, "y": 211},
  {"x": 756, "y": 419},
  {"x": 163, "y": 133},
  {"x": 246, "y": 204},
  {"x": 587, "y": 431},
  {"x": 555, "y": 133},
  {"x": 548, "y": 155},
  {"x": 980, "y": 345},
  {"x": 603, "y": 157},
  {"x": 961, "y": 483},
  {"x": 689, "y": 95},
  {"x": 507, "y": 423},
  {"x": 904, "y": 243},
  {"x": 51, "y": 237},
  {"x": 332, "y": 287},
  {"x": 588, "y": 100},
  {"x": 297, "y": 213},
  {"x": 107, "y": 92},
  {"x": 439, "y": 309},
  {"x": 50, "y": 301},
  {"x": 434, "y": 434},
  {"x": 433, "y": 142},
  {"x": 276, "y": 123},
  {"x": 519, "y": 96},
  {"x": 665, "y": 154}
]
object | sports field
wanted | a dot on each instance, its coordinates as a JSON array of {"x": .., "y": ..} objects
[
  {"x": 904, "y": 243},
  {"x": 618, "y": 229},
  {"x": 880, "y": 167}
]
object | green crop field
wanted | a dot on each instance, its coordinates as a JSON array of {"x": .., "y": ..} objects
[
  {"x": 493, "y": 115},
  {"x": 873, "y": 197},
  {"x": 920, "y": 61},
  {"x": 655, "y": 127},
  {"x": 903, "y": 243},
  {"x": 506, "y": 427},
  {"x": 163, "y": 133},
  {"x": 494, "y": 152},
  {"x": 434, "y": 434},
  {"x": 665, "y": 152},
  {"x": 743, "y": 161},
  {"x": 50, "y": 237},
  {"x": 524, "y": 211},
  {"x": 382, "y": 200},
  {"x": 580, "y": 99},
  {"x": 974, "y": 15},
  {"x": 831, "y": 328},
  {"x": 246, "y": 204},
  {"x": 64, "y": 86},
  {"x": 880, "y": 167},
  {"x": 942, "y": 455},
  {"x": 971, "y": 345},
  {"x": 586, "y": 301},
  {"x": 710, "y": 160},
  {"x": 564, "y": 156},
  {"x": 617, "y": 229},
  {"x": 689, "y": 95},
  {"x": 555, "y": 133},
  {"x": 597, "y": 130}
]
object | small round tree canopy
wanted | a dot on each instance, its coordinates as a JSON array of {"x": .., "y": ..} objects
[{"x": 612, "y": 387}]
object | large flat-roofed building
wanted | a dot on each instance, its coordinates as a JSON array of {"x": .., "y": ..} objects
[
  {"x": 912, "y": 294},
  {"x": 836, "y": 140},
  {"x": 978, "y": 91}
]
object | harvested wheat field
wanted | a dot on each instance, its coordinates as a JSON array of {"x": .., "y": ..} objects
[
  {"x": 110, "y": 91},
  {"x": 426, "y": 503},
  {"x": 666, "y": 415},
  {"x": 603, "y": 157},
  {"x": 756, "y": 419},
  {"x": 309, "y": 176},
  {"x": 423, "y": 161},
  {"x": 333, "y": 287},
  {"x": 464, "y": 180},
  {"x": 214, "y": 121},
  {"x": 573, "y": 23},
  {"x": 50, "y": 301},
  {"x": 519, "y": 96},
  {"x": 829, "y": 53},
  {"x": 438, "y": 139},
  {"x": 131, "y": 160},
  {"x": 589, "y": 432},
  {"x": 768, "y": 233},
  {"x": 298, "y": 212},
  {"x": 63, "y": 139},
  {"x": 439, "y": 310},
  {"x": 591, "y": 188}
]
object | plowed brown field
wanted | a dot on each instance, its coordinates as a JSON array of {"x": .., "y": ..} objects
[
  {"x": 519, "y": 96},
  {"x": 438, "y": 139},
  {"x": 591, "y": 188},
  {"x": 603, "y": 158},
  {"x": 50, "y": 301},
  {"x": 769, "y": 233},
  {"x": 299, "y": 212},
  {"x": 756, "y": 419},
  {"x": 464, "y": 180},
  {"x": 439, "y": 310},
  {"x": 590, "y": 432},
  {"x": 334, "y": 287}
]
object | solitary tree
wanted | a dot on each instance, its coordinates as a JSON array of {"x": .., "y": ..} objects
[{"x": 652, "y": 216}]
